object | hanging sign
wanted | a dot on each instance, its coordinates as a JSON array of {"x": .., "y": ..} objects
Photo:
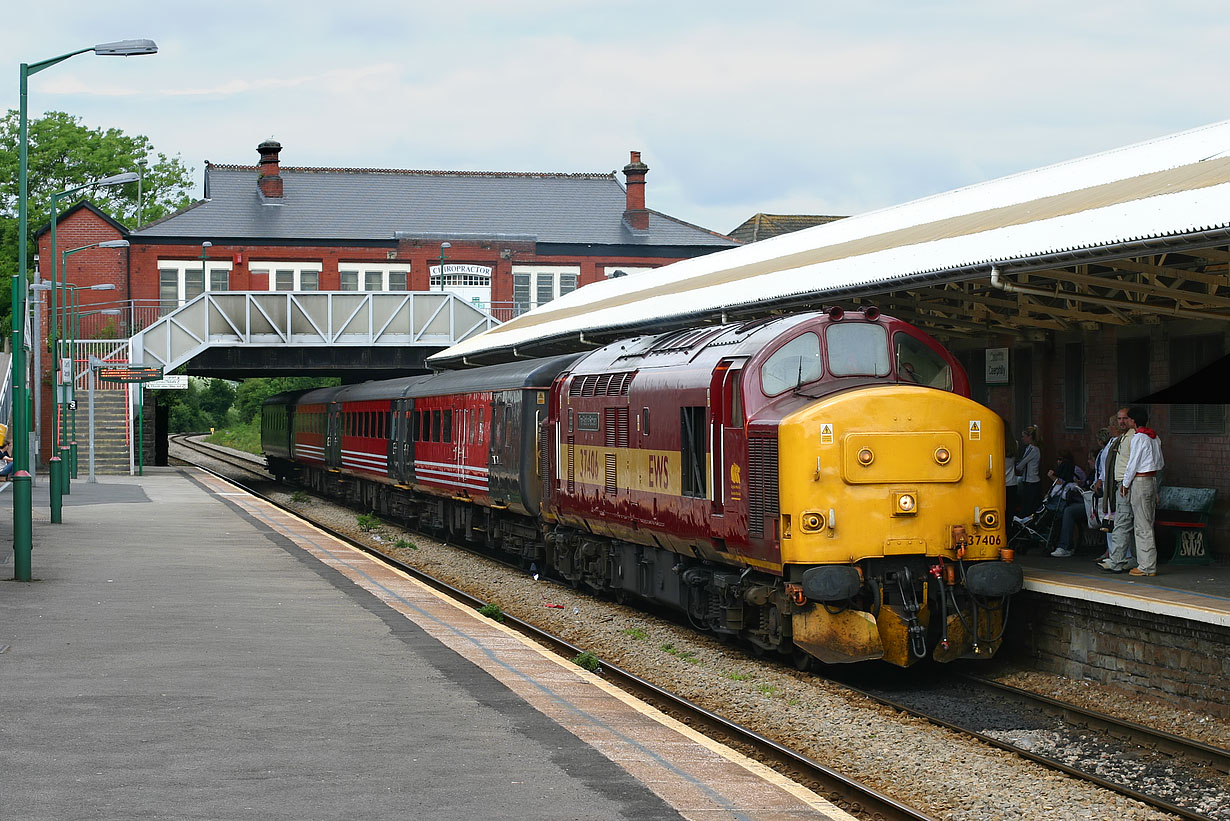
[{"x": 128, "y": 373}]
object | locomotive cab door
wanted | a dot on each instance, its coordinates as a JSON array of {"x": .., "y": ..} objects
[
  {"x": 333, "y": 435},
  {"x": 728, "y": 443}
]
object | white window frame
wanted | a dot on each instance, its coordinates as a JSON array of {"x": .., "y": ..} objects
[
  {"x": 298, "y": 267},
  {"x": 361, "y": 269},
  {"x": 535, "y": 273},
  {"x": 181, "y": 267}
]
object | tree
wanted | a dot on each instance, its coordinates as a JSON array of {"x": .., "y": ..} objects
[{"x": 62, "y": 154}]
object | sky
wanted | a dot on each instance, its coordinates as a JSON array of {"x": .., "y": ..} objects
[{"x": 738, "y": 108}]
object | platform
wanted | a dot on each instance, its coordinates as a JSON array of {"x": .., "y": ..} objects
[
  {"x": 1197, "y": 593},
  {"x": 188, "y": 650}
]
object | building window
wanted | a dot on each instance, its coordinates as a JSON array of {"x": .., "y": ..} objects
[
  {"x": 289, "y": 276},
  {"x": 372, "y": 276},
  {"x": 1074, "y": 386},
  {"x": 1132, "y": 370},
  {"x": 182, "y": 280},
  {"x": 537, "y": 285},
  {"x": 1189, "y": 354}
]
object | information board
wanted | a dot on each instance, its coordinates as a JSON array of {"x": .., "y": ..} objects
[{"x": 128, "y": 373}]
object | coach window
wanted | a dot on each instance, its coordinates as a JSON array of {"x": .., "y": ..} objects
[
  {"x": 435, "y": 426},
  {"x": 446, "y": 431},
  {"x": 857, "y": 349},
  {"x": 415, "y": 421},
  {"x": 917, "y": 363},
  {"x": 793, "y": 364}
]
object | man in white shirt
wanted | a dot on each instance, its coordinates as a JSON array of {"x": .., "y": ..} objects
[{"x": 1139, "y": 489}]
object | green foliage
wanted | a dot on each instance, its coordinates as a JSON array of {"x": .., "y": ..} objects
[
  {"x": 493, "y": 612},
  {"x": 205, "y": 404},
  {"x": 252, "y": 392},
  {"x": 63, "y": 154},
  {"x": 405, "y": 544},
  {"x": 300, "y": 498},
  {"x": 737, "y": 676},
  {"x": 245, "y": 436},
  {"x": 368, "y": 522},
  {"x": 636, "y": 633},
  {"x": 588, "y": 661}
]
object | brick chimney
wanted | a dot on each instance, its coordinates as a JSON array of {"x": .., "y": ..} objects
[
  {"x": 635, "y": 213},
  {"x": 270, "y": 180}
]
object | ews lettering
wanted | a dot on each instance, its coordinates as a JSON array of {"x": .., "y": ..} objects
[{"x": 659, "y": 471}]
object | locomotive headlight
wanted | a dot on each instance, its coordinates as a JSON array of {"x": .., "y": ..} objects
[
  {"x": 812, "y": 522},
  {"x": 866, "y": 457},
  {"x": 906, "y": 504},
  {"x": 989, "y": 519},
  {"x": 943, "y": 456}
]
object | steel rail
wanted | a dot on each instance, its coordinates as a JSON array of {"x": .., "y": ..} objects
[
  {"x": 1046, "y": 761},
  {"x": 848, "y": 793}
]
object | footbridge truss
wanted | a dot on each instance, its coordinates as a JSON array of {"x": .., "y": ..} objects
[{"x": 355, "y": 335}]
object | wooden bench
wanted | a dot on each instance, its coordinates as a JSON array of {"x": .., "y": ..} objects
[{"x": 1184, "y": 511}]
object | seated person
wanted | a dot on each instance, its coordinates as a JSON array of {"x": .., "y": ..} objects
[
  {"x": 1067, "y": 501},
  {"x": 6, "y": 463}
]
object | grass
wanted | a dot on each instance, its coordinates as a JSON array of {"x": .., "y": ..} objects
[
  {"x": 636, "y": 633},
  {"x": 240, "y": 437},
  {"x": 492, "y": 611},
  {"x": 367, "y": 522},
  {"x": 300, "y": 498},
  {"x": 737, "y": 676},
  {"x": 405, "y": 544},
  {"x": 588, "y": 661}
]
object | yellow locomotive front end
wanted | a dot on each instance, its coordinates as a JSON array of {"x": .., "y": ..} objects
[{"x": 893, "y": 525}]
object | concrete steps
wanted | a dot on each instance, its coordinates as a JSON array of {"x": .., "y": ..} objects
[{"x": 110, "y": 433}]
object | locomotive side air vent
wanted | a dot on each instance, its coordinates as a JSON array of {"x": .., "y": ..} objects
[
  {"x": 762, "y": 499},
  {"x": 604, "y": 384},
  {"x": 591, "y": 384}
]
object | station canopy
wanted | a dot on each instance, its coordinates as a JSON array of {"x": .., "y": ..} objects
[{"x": 1116, "y": 238}]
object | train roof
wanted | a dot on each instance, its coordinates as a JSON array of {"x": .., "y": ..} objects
[{"x": 532, "y": 373}]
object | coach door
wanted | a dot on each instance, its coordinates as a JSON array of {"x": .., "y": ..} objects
[
  {"x": 401, "y": 443},
  {"x": 333, "y": 435}
]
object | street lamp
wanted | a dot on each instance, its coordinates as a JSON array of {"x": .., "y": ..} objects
[
  {"x": 22, "y": 509},
  {"x": 59, "y": 444},
  {"x": 443, "y": 245}
]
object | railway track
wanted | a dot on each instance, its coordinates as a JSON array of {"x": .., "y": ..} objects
[
  {"x": 1117, "y": 740},
  {"x": 848, "y": 793}
]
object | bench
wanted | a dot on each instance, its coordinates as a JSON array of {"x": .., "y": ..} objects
[{"x": 1185, "y": 512}]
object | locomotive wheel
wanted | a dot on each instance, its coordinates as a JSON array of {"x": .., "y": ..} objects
[{"x": 803, "y": 662}]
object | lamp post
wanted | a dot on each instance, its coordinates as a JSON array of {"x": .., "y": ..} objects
[
  {"x": 22, "y": 510},
  {"x": 443, "y": 245}
]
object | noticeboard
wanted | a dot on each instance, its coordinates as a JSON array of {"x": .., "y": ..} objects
[{"x": 128, "y": 373}]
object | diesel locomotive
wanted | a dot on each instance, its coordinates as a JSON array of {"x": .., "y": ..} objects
[{"x": 818, "y": 485}]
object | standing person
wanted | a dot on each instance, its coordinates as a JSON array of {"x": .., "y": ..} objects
[
  {"x": 1122, "y": 539},
  {"x": 1027, "y": 467},
  {"x": 1010, "y": 475},
  {"x": 1139, "y": 488},
  {"x": 1101, "y": 486}
]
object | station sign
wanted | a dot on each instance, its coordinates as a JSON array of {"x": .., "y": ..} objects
[
  {"x": 128, "y": 373},
  {"x": 170, "y": 382}
]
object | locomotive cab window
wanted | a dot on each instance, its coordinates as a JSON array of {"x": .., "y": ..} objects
[
  {"x": 918, "y": 364},
  {"x": 693, "y": 479},
  {"x": 795, "y": 363},
  {"x": 857, "y": 349}
]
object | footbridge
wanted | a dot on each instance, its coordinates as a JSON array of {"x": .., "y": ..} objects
[{"x": 357, "y": 336}]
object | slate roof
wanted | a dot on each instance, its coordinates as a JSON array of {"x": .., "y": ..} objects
[
  {"x": 763, "y": 226},
  {"x": 367, "y": 204}
]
